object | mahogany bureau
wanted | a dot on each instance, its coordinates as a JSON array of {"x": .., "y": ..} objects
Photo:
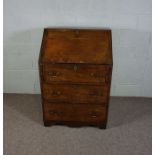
[{"x": 75, "y": 76}]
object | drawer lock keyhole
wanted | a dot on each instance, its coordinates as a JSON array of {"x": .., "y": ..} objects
[{"x": 75, "y": 68}]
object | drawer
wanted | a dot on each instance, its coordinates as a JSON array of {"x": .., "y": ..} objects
[
  {"x": 76, "y": 112},
  {"x": 75, "y": 93},
  {"x": 76, "y": 73}
]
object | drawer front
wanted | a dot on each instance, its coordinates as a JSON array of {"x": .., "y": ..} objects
[
  {"x": 76, "y": 112},
  {"x": 75, "y": 93},
  {"x": 76, "y": 73}
]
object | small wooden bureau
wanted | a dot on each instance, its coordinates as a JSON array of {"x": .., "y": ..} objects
[{"x": 75, "y": 76}]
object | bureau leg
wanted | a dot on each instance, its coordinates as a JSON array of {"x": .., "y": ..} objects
[
  {"x": 47, "y": 124},
  {"x": 102, "y": 126}
]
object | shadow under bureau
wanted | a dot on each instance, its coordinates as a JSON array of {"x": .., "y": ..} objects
[{"x": 75, "y": 75}]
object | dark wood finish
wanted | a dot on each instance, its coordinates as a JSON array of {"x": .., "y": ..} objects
[
  {"x": 72, "y": 93},
  {"x": 75, "y": 76},
  {"x": 74, "y": 112},
  {"x": 101, "y": 125},
  {"x": 76, "y": 73},
  {"x": 77, "y": 46}
]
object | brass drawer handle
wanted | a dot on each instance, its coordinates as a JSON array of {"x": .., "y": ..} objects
[
  {"x": 93, "y": 114},
  {"x": 54, "y": 112},
  {"x": 56, "y": 93},
  {"x": 95, "y": 93},
  {"x": 53, "y": 74},
  {"x": 97, "y": 75},
  {"x": 75, "y": 86}
]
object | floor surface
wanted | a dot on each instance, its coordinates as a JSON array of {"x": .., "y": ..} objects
[{"x": 128, "y": 131}]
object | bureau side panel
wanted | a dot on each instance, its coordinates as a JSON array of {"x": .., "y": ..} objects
[
  {"x": 108, "y": 96},
  {"x": 40, "y": 65}
]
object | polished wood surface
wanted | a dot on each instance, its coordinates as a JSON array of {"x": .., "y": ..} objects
[
  {"x": 75, "y": 75},
  {"x": 75, "y": 93},
  {"x": 77, "y": 46},
  {"x": 75, "y": 112}
]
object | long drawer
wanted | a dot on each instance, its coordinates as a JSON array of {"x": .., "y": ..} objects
[
  {"x": 76, "y": 73},
  {"x": 72, "y": 93},
  {"x": 76, "y": 112}
]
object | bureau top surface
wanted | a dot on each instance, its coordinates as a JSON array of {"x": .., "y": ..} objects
[{"x": 76, "y": 46}]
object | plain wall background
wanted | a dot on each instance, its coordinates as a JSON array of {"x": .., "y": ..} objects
[{"x": 130, "y": 21}]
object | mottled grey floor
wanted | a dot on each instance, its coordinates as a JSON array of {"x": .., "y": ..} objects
[{"x": 128, "y": 131}]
